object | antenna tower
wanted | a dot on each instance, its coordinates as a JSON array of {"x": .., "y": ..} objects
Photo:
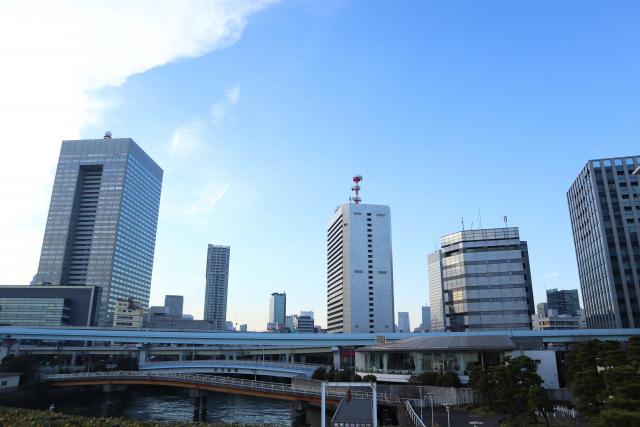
[{"x": 356, "y": 189}]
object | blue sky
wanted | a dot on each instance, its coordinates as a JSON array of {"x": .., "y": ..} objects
[{"x": 448, "y": 109}]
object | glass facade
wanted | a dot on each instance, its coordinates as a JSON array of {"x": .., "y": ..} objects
[
  {"x": 217, "y": 277},
  {"x": 564, "y": 301},
  {"x": 278, "y": 309},
  {"x": 35, "y": 311},
  {"x": 416, "y": 362},
  {"x": 102, "y": 221},
  {"x": 604, "y": 205},
  {"x": 480, "y": 280}
]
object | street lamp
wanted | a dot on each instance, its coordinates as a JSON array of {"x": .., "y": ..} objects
[
  {"x": 448, "y": 407},
  {"x": 431, "y": 404},
  {"x": 421, "y": 401}
]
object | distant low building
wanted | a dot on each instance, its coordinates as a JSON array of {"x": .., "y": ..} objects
[
  {"x": 49, "y": 305},
  {"x": 552, "y": 320},
  {"x": 128, "y": 314},
  {"x": 243, "y": 327},
  {"x": 179, "y": 324},
  {"x": 303, "y": 324}
]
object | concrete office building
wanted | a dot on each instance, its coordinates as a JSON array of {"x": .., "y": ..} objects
[
  {"x": 303, "y": 324},
  {"x": 484, "y": 281},
  {"x": 403, "y": 322},
  {"x": 101, "y": 227},
  {"x": 604, "y": 205},
  {"x": 277, "y": 311},
  {"x": 360, "y": 268},
  {"x": 426, "y": 319},
  {"x": 217, "y": 276},
  {"x": 49, "y": 305},
  {"x": 564, "y": 301},
  {"x": 173, "y": 305},
  {"x": 551, "y": 319},
  {"x": 128, "y": 314}
]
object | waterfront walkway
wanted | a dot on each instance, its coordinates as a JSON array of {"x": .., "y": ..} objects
[{"x": 308, "y": 393}]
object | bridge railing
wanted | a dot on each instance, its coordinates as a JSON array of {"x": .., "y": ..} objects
[
  {"x": 415, "y": 419},
  {"x": 244, "y": 363},
  {"x": 220, "y": 380}
]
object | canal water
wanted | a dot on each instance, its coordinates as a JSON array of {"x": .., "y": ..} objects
[{"x": 163, "y": 404}]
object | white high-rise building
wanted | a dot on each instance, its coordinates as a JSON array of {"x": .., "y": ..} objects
[{"x": 360, "y": 268}]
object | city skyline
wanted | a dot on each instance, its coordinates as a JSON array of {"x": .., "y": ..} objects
[{"x": 458, "y": 112}]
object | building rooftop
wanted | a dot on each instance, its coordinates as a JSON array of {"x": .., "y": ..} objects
[
  {"x": 480, "y": 234},
  {"x": 452, "y": 343}
]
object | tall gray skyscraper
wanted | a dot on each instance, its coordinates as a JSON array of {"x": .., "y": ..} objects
[
  {"x": 484, "y": 281},
  {"x": 426, "y": 318},
  {"x": 215, "y": 300},
  {"x": 173, "y": 305},
  {"x": 360, "y": 268},
  {"x": 101, "y": 227},
  {"x": 604, "y": 204},
  {"x": 278, "y": 310},
  {"x": 564, "y": 302}
]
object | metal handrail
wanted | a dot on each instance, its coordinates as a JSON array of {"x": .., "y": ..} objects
[
  {"x": 279, "y": 365},
  {"x": 417, "y": 421},
  {"x": 220, "y": 380}
]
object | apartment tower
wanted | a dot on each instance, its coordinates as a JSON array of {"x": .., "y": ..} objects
[{"x": 217, "y": 281}]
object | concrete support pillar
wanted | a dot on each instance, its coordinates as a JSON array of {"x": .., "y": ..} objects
[
  {"x": 142, "y": 356},
  {"x": 182, "y": 356},
  {"x": 335, "y": 351},
  {"x": 74, "y": 357},
  {"x": 199, "y": 404},
  {"x": 303, "y": 358},
  {"x": 417, "y": 362},
  {"x": 385, "y": 362},
  {"x": 5, "y": 348}
]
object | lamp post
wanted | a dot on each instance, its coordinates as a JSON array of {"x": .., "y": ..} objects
[
  {"x": 431, "y": 403},
  {"x": 448, "y": 407},
  {"x": 421, "y": 401}
]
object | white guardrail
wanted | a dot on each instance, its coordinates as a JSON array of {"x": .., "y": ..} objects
[
  {"x": 417, "y": 422},
  {"x": 219, "y": 380},
  {"x": 304, "y": 367}
]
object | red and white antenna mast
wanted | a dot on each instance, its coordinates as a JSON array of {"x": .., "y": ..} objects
[{"x": 356, "y": 189}]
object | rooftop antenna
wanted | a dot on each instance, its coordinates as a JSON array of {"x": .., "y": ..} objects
[
  {"x": 504, "y": 218},
  {"x": 462, "y": 221},
  {"x": 479, "y": 218},
  {"x": 107, "y": 135},
  {"x": 356, "y": 189},
  {"x": 471, "y": 225}
]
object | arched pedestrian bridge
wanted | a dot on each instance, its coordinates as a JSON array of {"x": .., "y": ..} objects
[
  {"x": 293, "y": 392},
  {"x": 245, "y": 367}
]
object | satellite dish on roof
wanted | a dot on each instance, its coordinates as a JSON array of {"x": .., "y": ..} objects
[{"x": 107, "y": 135}]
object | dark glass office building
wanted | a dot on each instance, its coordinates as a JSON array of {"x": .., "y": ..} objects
[
  {"x": 564, "y": 301},
  {"x": 217, "y": 277},
  {"x": 101, "y": 228},
  {"x": 604, "y": 206}
]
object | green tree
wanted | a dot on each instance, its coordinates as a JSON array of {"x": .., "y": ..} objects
[
  {"x": 319, "y": 374},
  {"x": 483, "y": 382},
  {"x": 24, "y": 365},
  {"x": 448, "y": 379},
  {"x": 538, "y": 401},
  {"x": 369, "y": 378}
]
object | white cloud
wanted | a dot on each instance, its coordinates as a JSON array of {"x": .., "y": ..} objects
[
  {"x": 222, "y": 109},
  {"x": 54, "y": 55},
  {"x": 188, "y": 138},
  {"x": 207, "y": 199}
]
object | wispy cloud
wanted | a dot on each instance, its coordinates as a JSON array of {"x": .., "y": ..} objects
[
  {"x": 55, "y": 55},
  {"x": 188, "y": 138},
  {"x": 223, "y": 108},
  {"x": 550, "y": 275},
  {"x": 207, "y": 198}
]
